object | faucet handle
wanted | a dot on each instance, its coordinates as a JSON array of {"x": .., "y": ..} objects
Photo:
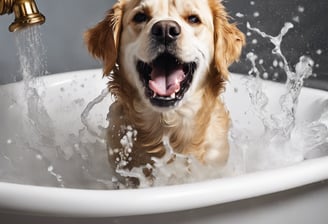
[{"x": 6, "y": 6}]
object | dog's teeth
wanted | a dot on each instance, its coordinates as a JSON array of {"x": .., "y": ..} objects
[
  {"x": 154, "y": 94},
  {"x": 173, "y": 96}
]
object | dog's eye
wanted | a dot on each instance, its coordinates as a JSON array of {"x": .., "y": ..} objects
[
  {"x": 140, "y": 17},
  {"x": 193, "y": 19}
]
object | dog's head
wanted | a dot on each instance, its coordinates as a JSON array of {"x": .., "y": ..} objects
[{"x": 166, "y": 49}]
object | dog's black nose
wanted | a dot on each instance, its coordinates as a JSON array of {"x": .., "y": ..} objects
[{"x": 166, "y": 31}]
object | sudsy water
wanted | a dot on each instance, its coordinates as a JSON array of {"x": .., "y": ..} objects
[{"x": 45, "y": 153}]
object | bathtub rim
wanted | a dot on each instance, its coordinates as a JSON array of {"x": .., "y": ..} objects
[{"x": 70, "y": 202}]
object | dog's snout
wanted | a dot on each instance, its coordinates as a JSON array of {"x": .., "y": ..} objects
[{"x": 166, "y": 31}]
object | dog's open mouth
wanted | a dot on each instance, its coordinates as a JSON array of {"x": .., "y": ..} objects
[{"x": 166, "y": 79}]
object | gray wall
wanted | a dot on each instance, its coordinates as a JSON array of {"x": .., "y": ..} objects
[
  {"x": 308, "y": 37},
  {"x": 67, "y": 20}
]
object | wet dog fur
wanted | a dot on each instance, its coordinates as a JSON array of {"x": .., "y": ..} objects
[{"x": 193, "y": 43}]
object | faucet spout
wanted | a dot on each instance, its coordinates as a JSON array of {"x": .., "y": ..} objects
[{"x": 26, "y": 13}]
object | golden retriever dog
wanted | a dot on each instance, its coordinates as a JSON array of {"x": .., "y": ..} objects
[{"x": 168, "y": 63}]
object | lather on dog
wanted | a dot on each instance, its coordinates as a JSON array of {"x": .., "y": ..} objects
[{"x": 168, "y": 62}]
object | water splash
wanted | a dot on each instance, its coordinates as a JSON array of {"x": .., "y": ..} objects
[
  {"x": 311, "y": 136},
  {"x": 282, "y": 142},
  {"x": 276, "y": 41},
  {"x": 284, "y": 121},
  {"x": 171, "y": 169},
  {"x": 101, "y": 132}
]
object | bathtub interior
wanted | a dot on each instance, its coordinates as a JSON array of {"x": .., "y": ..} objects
[
  {"x": 65, "y": 97},
  {"x": 69, "y": 165}
]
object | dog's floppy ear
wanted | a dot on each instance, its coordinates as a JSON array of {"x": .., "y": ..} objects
[
  {"x": 229, "y": 40},
  {"x": 103, "y": 39}
]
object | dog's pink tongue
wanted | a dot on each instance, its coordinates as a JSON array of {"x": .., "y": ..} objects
[{"x": 166, "y": 84}]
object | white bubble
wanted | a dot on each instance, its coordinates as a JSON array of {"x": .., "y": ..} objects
[
  {"x": 261, "y": 61},
  {"x": 265, "y": 75},
  {"x": 275, "y": 63},
  {"x": 256, "y": 14},
  {"x": 296, "y": 19},
  {"x": 300, "y": 8},
  {"x": 240, "y": 15},
  {"x": 9, "y": 141},
  {"x": 50, "y": 168},
  {"x": 276, "y": 75},
  {"x": 319, "y": 51},
  {"x": 254, "y": 41}
]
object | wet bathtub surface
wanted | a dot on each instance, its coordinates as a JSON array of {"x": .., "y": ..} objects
[{"x": 55, "y": 201}]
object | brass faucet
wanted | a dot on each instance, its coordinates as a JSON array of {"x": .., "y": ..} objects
[{"x": 26, "y": 13}]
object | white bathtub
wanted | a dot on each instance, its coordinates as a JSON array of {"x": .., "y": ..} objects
[{"x": 297, "y": 193}]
